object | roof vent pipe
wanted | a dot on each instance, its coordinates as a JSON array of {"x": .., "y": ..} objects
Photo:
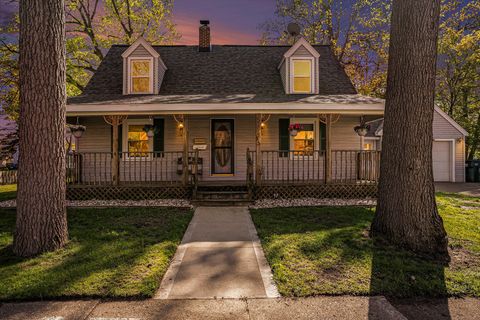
[{"x": 204, "y": 36}]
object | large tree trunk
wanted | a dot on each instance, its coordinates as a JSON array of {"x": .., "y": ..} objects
[
  {"x": 41, "y": 214},
  {"x": 406, "y": 213}
]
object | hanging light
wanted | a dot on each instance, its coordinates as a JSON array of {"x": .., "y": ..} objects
[
  {"x": 150, "y": 130},
  {"x": 77, "y": 130},
  {"x": 362, "y": 129}
]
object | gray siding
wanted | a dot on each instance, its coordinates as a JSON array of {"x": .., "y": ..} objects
[{"x": 442, "y": 129}]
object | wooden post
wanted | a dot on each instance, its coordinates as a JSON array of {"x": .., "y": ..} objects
[
  {"x": 185, "y": 151},
  {"x": 258, "y": 149},
  {"x": 115, "y": 121},
  {"x": 328, "y": 149}
]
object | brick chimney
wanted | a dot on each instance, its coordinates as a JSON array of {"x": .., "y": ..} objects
[{"x": 204, "y": 36}]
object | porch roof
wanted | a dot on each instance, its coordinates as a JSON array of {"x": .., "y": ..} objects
[{"x": 229, "y": 104}]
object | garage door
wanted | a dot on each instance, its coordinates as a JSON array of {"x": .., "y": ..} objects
[{"x": 442, "y": 160}]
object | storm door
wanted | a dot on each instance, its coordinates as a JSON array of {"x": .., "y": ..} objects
[{"x": 222, "y": 146}]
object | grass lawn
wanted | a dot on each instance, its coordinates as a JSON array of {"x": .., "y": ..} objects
[
  {"x": 111, "y": 253},
  {"x": 8, "y": 192},
  {"x": 327, "y": 250}
]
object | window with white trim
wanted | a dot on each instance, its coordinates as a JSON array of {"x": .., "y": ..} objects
[
  {"x": 136, "y": 141},
  {"x": 140, "y": 73},
  {"x": 305, "y": 142},
  {"x": 302, "y": 75}
]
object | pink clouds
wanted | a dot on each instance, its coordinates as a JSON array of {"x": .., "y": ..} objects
[{"x": 187, "y": 26}]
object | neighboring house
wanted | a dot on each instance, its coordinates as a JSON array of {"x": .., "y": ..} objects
[{"x": 230, "y": 110}]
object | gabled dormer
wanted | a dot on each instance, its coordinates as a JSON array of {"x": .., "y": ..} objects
[
  {"x": 299, "y": 69},
  {"x": 143, "y": 69}
]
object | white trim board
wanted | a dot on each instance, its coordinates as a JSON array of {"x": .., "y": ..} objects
[
  {"x": 140, "y": 42},
  {"x": 224, "y": 108}
]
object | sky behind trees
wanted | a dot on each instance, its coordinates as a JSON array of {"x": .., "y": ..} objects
[{"x": 232, "y": 21}]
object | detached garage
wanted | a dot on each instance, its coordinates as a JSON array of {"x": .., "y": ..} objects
[{"x": 448, "y": 146}]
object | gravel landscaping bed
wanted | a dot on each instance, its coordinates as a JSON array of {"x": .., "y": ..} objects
[
  {"x": 310, "y": 202},
  {"x": 116, "y": 203}
]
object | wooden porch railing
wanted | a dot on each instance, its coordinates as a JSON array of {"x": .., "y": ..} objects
[
  {"x": 309, "y": 167},
  {"x": 95, "y": 168}
]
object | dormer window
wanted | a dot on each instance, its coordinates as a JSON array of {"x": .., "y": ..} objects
[
  {"x": 302, "y": 75},
  {"x": 141, "y": 75}
]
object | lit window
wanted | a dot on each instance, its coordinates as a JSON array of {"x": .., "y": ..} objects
[
  {"x": 140, "y": 75},
  {"x": 302, "y": 76},
  {"x": 367, "y": 146},
  {"x": 138, "y": 145},
  {"x": 304, "y": 141}
]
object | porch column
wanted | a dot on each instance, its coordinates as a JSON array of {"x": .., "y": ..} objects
[
  {"x": 115, "y": 121},
  {"x": 258, "y": 149},
  {"x": 328, "y": 148},
  {"x": 185, "y": 151}
]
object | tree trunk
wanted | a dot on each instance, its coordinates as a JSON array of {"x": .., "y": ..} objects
[
  {"x": 41, "y": 214},
  {"x": 406, "y": 213}
]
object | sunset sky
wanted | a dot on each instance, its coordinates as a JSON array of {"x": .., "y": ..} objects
[{"x": 232, "y": 21}]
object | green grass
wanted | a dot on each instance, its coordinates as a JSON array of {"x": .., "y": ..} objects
[
  {"x": 112, "y": 253},
  {"x": 327, "y": 250},
  {"x": 8, "y": 192}
]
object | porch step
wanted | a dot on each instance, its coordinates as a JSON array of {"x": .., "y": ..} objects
[
  {"x": 222, "y": 195},
  {"x": 221, "y": 203}
]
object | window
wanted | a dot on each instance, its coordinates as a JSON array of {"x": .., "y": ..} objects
[
  {"x": 141, "y": 76},
  {"x": 304, "y": 141},
  {"x": 137, "y": 143},
  {"x": 302, "y": 76}
]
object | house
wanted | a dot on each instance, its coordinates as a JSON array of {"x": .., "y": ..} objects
[{"x": 164, "y": 121}]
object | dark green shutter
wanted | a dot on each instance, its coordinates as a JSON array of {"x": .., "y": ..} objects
[
  {"x": 283, "y": 136},
  {"x": 120, "y": 143},
  {"x": 159, "y": 137},
  {"x": 323, "y": 136}
]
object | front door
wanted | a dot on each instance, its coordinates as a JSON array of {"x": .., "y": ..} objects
[{"x": 222, "y": 146}]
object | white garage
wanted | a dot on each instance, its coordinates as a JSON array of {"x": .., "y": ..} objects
[
  {"x": 448, "y": 151},
  {"x": 443, "y": 160}
]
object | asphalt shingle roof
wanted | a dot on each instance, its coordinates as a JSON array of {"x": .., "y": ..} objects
[{"x": 225, "y": 72}]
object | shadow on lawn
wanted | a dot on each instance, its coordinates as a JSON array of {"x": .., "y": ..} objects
[
  {"x": 348, "y": 261},
  {"x": 112, "y": 252}
]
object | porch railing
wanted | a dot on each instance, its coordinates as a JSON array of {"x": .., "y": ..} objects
[
  {"x": 95, "y": 168},
  {"x": 304, "y": 167}
]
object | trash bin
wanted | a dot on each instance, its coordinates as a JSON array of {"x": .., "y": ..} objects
[{"x": 472, "y": 170}]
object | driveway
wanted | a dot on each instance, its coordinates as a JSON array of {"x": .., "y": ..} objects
[
  {"x": 469, "y": 189},
  {"x": 220, "y": 257}
]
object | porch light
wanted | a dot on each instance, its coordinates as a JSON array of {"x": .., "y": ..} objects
[
  {"x": 362, "y": 129},
  {"x": 77, "y": 130}
]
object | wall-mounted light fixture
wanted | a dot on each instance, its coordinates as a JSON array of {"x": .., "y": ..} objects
[{"x": 180, "y": 119}]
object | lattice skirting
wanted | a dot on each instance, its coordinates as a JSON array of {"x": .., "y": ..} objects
[
  {"x": 128, "y": 192},
  {"x": 342, "y": 191}
]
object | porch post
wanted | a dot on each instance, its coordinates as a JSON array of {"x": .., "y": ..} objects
[
  {"x": 185, "y": 151},
  {"x": 115, "y": 121},
  {"x": 328, "y": 148},
  {"x": 258, "y": 149}
]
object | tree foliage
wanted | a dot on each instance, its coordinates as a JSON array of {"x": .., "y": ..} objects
[
  {"x": 458, "y": 74},
  {"x": 358, "y": 32},
  {"x": 92, "y": 26}
]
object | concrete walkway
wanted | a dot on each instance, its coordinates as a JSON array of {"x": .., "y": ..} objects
[
  {"x": 342, "y": 307},
  {"x": 220, "y": 257}
]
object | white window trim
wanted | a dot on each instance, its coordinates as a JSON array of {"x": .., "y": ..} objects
[
  {"x": 312, "y": 74},
  {"x": 129, "y": 76},
  {"x": 316, "y": 136},
  {"x": 137, "y": 122},
  {"x": 452, "y": 157}
]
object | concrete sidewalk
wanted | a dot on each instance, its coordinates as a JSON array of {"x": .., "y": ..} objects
[
  {"x": 343, "y": 307},
  {"x": 468, "y": 189},
  {"x": 220, "y": 257}
]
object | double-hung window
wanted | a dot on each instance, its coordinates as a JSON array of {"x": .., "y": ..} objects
[
  {"x": 302, "y": 75},
  {"x": 137, "y": 143},
  {"x": 306, "y": 141},
  {"x": 141, "y": 75}
]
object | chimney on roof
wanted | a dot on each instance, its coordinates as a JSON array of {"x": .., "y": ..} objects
[{"x": 204, "y": 36}]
